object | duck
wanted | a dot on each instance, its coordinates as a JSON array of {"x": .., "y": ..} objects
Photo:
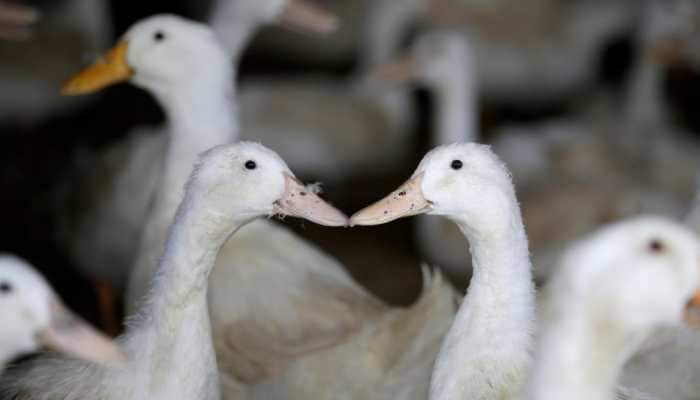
[
  {"x": 613, "y": 288},
  {"x": 169, "y": 348},
  {"x": 100, "y": 221},
  {"x": 468, "y": 184},
  {"x": 443, "y": 62},
  {"x": 611, "y": 160},
  {"x": 34, "y": 317},
  {"x": 536, "y": 54},
  {"x": 349, "y": 123},
  {"x": 288, "y": 337}
]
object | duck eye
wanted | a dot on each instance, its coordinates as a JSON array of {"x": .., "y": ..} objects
[
  {"x": 456, "y": 164},
  {"x": 250, "y": 164},
  {"x": 5, "y": 287},
  {"x": 656, "y": 246},
  {"x": 159, "y": 36}
]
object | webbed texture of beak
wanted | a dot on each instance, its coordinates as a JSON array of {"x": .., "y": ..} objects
[
  {"x": 302, "y": 15},
  {"x": 70, "y": 335},
  {"x": 111, "y": 68},
  {"x": 405, "y": 201},
  {"x": 298, "y": 201},
  {"x": 692, "y": 311}
]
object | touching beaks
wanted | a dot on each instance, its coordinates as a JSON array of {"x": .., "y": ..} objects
[
  {"x": 302, "y": 15},
  {"x": 397, "y": 72},
  {"x": 70, "y": 335},
  {"x": 692, "y": 311},
  {"x": 111, "y": 68},
  {"x": 298, "y": 201},
  {"x": 405, "y": 201}
]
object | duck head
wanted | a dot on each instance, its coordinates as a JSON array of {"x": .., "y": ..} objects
[{"x": 34, "y": 317}]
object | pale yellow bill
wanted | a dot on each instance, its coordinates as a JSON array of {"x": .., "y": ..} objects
[
  {"x": 405, "y": 201},
  {"x": 299, "y": 201},
  {"x": 302, "y": 15},
  {"x": 70, "y": 335},
  {"x": 111, "y": 68}
]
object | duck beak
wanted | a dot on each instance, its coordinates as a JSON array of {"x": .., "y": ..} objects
[
  {"x": 298, "y": 201},
  {"x": 692, "y": 311},
  {"x": 300, "y": 14},
  {"x": 405, "y": 201},
  {"x": 397, "y": 72},
  {"x": 70, "y": 335},
  {"x": 111, "y": 68}
]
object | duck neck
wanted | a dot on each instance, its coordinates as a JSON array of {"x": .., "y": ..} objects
[
  {"x": 232, "y": 26},
  {"x": 455, "y": 109},
  {"x": 493, "y": 328},
  {"x": 579, "y": 357}
]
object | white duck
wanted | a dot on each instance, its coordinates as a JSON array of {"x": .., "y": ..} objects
[
  {"x": 444, "y": 63},
  {"x": 533, "y": 53},
  {"x": 607, "y": 168},
  {"x": 612, "y": 289},
  {"x": 486, "y": 353},
  {"x": 101, "y": 224},
  {"x": 169, "y": 346},
  {"x": 311, "y": 312},
  {"x": 33, "y": 317}
]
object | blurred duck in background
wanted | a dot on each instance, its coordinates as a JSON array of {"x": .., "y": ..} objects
[
  {"x": 101, "y": 221},
  {"x": 352, "y": 126},
  {"x": 34, "y": 317},
  {"x": 612, "y": 290},
  {"x": 535, "y": 53},
  {"x": 68, "y": 32},
  {"x": 443, "y": 62},
  {"x": 169, "y": 345},
  {"x": 600, "y": 165}
]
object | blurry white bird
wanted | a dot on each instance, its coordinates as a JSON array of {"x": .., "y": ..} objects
[
  {"x": 169, "y": 346},
  {"x": 534, "y": 53},
  {"x": 33, "y": 317},
  {"x": 601, "y": 165},
  {"x": 443, "y": 62},
  {"x": 486, "y": 353},
  {"x": 101, "y": 223},
  {"x": 350, "y": 126},
  {"x": 612, "y": 289}
]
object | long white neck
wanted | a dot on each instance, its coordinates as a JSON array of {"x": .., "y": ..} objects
[
  {"x": 172, "y": 339},
  {"x": 486, "y": 352},
  {"x": 200, "y": 116},
  {"x": 456, "y": 109},
  {"x": 579, "y": 358},
  {"x": 232, "y": 26}
]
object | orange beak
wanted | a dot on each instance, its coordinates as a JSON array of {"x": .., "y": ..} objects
[
  {"x": 405, "y": 201},
  {"x": 109, "y": 69}
]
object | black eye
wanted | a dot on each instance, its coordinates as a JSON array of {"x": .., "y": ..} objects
[
  {"x": 5, "y": 287},
  {"x": 656, "y": 246},
  {"x": 250, "y": 164},
  {"x": 456, "y": 164},
  {"x": 159, "y": 36}
]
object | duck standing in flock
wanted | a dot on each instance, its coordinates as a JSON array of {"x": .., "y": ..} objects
[
  {"x": 33, "y": 316},
  {"x": 169, "y": 346}
]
